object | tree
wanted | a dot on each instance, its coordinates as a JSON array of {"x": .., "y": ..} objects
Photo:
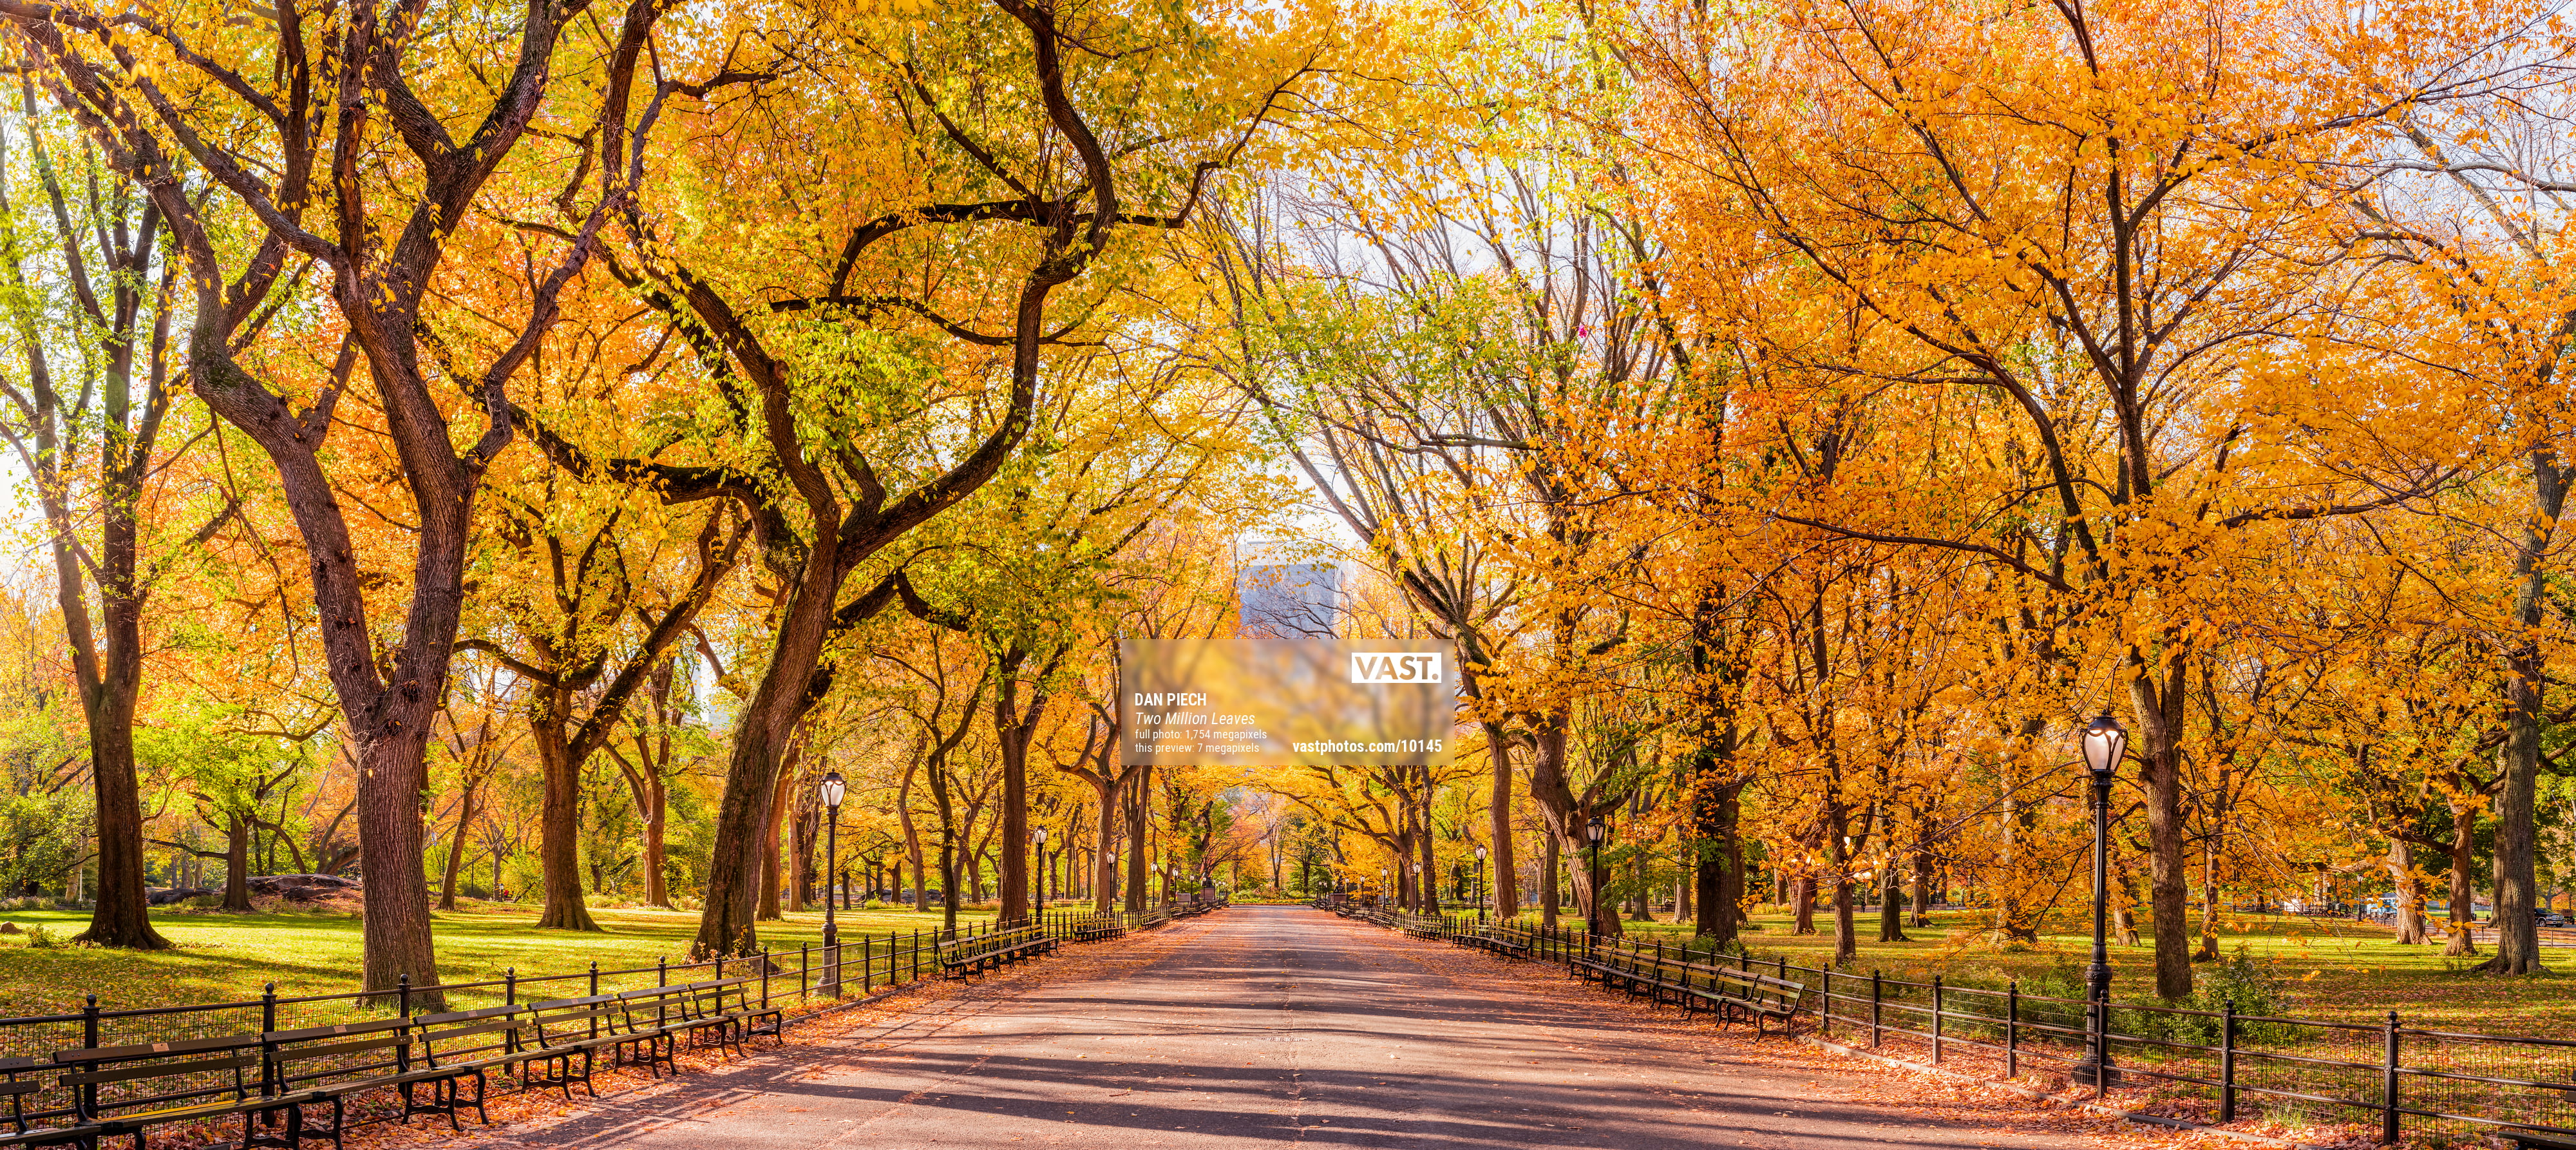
[
  {"x": 1853, "y": 200},
  {"x": 96, "y": 455},
  {"x": 582, "y": 601},
  {"x": 297, "y": 143}
]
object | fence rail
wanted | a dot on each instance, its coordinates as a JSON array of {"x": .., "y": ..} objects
[
  {"x": 777, "y": 981},
  {"x": 2217, "y": 1065}
]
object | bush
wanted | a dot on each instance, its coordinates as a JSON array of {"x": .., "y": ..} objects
[
  {"x": 874, "y": 904},
  {"x": 39, "y": 938}
]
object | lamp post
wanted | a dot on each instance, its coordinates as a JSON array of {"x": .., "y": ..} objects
[
  {"x": 1592, "y": 834},
  {"x": 832, "y": 789},
  {"x": 2103, "y": 741},
  {"x": 1038, "y": 864},
  {"x": 1381, "y": 885},
  {"x": 1419, "y": 901},
  {"x": 1480, "y": 884}
]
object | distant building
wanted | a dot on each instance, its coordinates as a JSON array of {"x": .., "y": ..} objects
[{"x": 1289, "y": 601}]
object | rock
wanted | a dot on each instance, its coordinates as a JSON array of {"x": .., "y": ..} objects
[
  {"x": 10, "y": 928},
  {"x": 305, "y": 887},
  {"x": 164, "y": 896}
]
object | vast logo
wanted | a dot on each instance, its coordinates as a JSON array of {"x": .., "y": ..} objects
[{"x": 1385, "y": 667}]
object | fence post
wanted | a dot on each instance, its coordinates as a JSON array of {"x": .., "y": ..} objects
[
  {"x": 402, "y": 987},
  {"x": 661, "y": 970},
  {"x": 594, "y": 978},
  {"x": 1875, "y": 998},
  {"x": 804, "y": 965},
  {"x": 1936, "y": 1020},
  {"x": 1825, "y": 1005},
  {"x": 89, "y": 1040},
  {"x": 2388, "y": 1087},
  {"x": 272, "y": 1076},
  {"x": 2012, "y": 1028},
  {"x": 867, "y": 962},
  {"x": 765, "y": 967},
  {"x": 510, "y": 987},
  {"x": 2227, "y": 1061}
]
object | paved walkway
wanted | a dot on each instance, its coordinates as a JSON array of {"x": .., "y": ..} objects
[{"x": 1261, "y": 1025}]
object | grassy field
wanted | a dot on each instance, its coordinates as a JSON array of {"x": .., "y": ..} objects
[
  {"x": 2331, "y": 969},
  {"x": 227, "y": 957}
]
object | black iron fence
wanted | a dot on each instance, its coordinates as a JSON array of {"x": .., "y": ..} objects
[
  {"x": 2216, "y": 1066},
  {"x": 789, "y": 982}
]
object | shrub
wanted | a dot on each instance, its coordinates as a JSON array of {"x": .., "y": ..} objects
[{"x": 39, "y": 938}]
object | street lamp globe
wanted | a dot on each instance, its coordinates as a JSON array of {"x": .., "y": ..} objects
[
  {"x": 2104, "y": 741},
  {"x": 1592, "y": 830},
  {"x": 1038, "y": 836},
  {"x": 832, "y": 790},
  {"x": 1480, "y": 854}
]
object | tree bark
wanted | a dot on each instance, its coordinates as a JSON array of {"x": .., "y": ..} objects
[
  {"x": 1926, "y": 894},
  {"x": 1552, "y": 862},
  {"x": 2409, "y": 916},
  {"x": 1498, "y": 806},
  {"x": 1139, "y": 812},
  {"x": 236, "y": 862},
  {"x": 559, "y": 817},
  {"x": 2517, "y": 877},
  {"x": 1891, "y": 907},
  {"x": 2156, "y": 691},
  {"x": 465, "y": 813},
  {"x": 2462, "y": 932}
]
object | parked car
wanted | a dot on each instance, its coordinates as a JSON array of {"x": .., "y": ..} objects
[{"x": 2553, "y": 918}]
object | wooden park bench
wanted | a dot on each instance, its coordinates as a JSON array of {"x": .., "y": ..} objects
[
  {"x": 463, "y": 1044},
  {"x": 722, "y": 1012},
  {"x": 19, "y": 1081},
  {"x": 980, "y": 953},
  {"x": 1095, "y": 927},
  {"x": 573, "y": 1030},
  {"x": 122, "y": 1091}
]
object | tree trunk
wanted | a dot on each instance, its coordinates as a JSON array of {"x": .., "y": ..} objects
[
  {"x": 1891, "y": 907},
  {"x": 1012, "y": 731},
  {"x": 1926, "y": 894},
  {"x": 1802, "y": 896},
  {"x": 1104, "y": 858},
  {"x": 946, "y": 809},
  {"x": 2463, "y": 925},
  {"x": 1717, "y": 869},
  {"x": 2124, "y": 917},
  {"x": 657, "y": 890},
  {"x": 559, "y": 817},
  {"x": 122, "y": 914},
  {"x": 770, "y": 855},
  {"x": 2409, "y": 917},
  {"x": 1428, "y": 869},
  {"x": 1498, "y": 804},
  {"x": 1139, "y": 810},
  {"x": 456, "y": 845},
  {"x": 1564, "y": 817},
  {"x": 1552, "y": 862},
  {"x": 1846, "y": 943},
  {"x": 236, "y": 862},
  {"x": 2159, "y": 712}
]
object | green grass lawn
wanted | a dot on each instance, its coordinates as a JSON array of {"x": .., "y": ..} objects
[
  {"x": 228, "y": 957},
  {"x": 2328, "y": 969}
]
